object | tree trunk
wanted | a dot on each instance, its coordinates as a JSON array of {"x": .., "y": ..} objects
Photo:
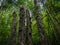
[
  {"x": 39, "y": 24},
  {"x": 28, "y": 29},
  {"x": 12, "y": 40},
  {"x": 21, "y": 26}
]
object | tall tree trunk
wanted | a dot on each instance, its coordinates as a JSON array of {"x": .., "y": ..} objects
[
  {"x": 28, "y": 29},
  {"x": 21, "y": 26},
  {"x": 39, "y": 24},
  {"x": 12, "y": 40}
]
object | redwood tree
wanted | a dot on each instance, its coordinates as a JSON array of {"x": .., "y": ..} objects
[
  {"x": 39, "y": 24},
  {"x": 12, "y": 40},
  {"x": 28, "y": 29},
  {"x": 21, "y": 26}
]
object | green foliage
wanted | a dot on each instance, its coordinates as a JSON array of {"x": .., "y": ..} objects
[{"x": 6, "y": 21}]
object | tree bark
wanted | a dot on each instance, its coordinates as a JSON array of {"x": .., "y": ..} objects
[
  {"x": 21, "y": 26},
  {"x": 12, "y": 40},
  {"x": 39, "y": 24},
  {"x": 28, "y": 29}
]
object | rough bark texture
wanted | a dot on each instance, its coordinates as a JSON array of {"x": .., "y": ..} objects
[
  {"x": 21, "y": 26},
  {"x": 28, "y": 29},
  {"x": 39, "y": 24},
  {"x": 12, "y": 40}
]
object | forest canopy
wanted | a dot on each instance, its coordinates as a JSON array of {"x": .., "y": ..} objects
[{"x": 29, "y": 22}]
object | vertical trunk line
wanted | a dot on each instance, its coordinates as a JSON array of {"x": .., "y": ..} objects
[
  {"x": 39, "y": 24},
  {"x": 28, "y": 29},
  {"x": 21, "y": 26},
  {"x": 12, "y": 40}
]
